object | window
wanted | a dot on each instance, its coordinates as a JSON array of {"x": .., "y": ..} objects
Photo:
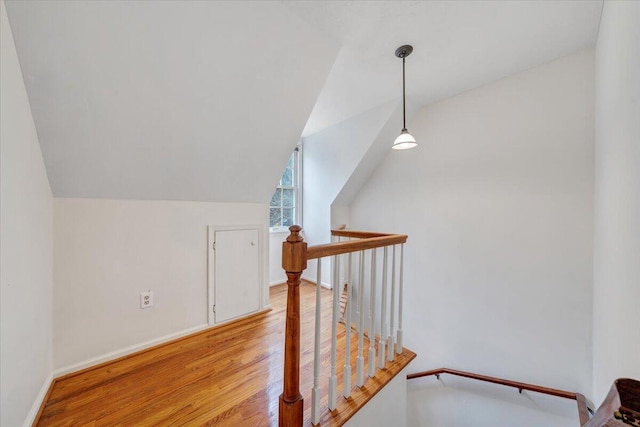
[{"x": 284, "y": 209}]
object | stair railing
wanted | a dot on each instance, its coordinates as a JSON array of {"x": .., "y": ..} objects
[
  {"x": 583, "y": 406},
  {"x": 384, "y": 318},
  {"x": 620, "y": 408}
]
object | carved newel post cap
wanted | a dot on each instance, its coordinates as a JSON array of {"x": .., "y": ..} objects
[
  {"x": 295, "y": 234},
  {"x": 294, "y": 251}
]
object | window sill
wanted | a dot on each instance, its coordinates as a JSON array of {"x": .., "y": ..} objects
[{"x": 277, "y": 231}]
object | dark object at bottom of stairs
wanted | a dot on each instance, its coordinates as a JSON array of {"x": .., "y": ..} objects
[{"x": 621, "y": 407}]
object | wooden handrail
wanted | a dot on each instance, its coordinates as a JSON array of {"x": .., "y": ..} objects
[
  {"x": 584, "y": 410},
  {"x": 295, "y": 254},
  {"x": 339, "y": 248},
  {"x": 515, "y": 384},
  {"x": 358, "y": 234}
]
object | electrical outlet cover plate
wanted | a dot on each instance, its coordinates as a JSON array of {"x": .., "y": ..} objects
[{"x": 146, "y": 299}]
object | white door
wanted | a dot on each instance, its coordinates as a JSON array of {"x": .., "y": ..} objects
[{"x": 236, "y": 273}]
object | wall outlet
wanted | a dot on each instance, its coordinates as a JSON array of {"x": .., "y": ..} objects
[{"x": 146, "y": 299}]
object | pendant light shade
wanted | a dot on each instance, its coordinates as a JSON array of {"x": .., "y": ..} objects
[{"x": 405, "y": 140}]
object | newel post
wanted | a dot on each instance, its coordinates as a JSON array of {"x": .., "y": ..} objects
[{"x": 294, "y": 262}]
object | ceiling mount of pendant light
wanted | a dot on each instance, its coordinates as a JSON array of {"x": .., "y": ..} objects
[{"x": 405, "y": 140}]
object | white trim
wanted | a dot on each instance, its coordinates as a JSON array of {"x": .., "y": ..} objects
[
  {"x": 297, "y": 189},
  {"x": 282, "y": 282},
  {"x": 33, "y": 412},
  {"x": 211, "y": 237},
  {"x": 263, "y": 263},
  {"x": 299, "y": 184},
  {"x": 279, "y": 230},
  {"x": 125, "y": 351},
  {"x": 266, "y": 309},
  {"x": 323, "y": 284}
]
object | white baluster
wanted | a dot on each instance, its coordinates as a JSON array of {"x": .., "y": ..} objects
[
  {"x": 346, "y": 378},
  {"x": 360, "y": 359},
  {"x": 348, "y": 273},
  {"x": 372, "y": 317},
  {"x": 383, "y": 313},
  {"x": 390, "y": 348},
  {"x": 399, "y": 332},
  {"x": 333, "y": 379},
  {"x": 315, "y": 391},
  {"x": 345, "y": 270}
]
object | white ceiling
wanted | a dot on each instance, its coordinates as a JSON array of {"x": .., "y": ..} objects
[
  {"x": 168, "y": 100},
  {"x": 182, "y": 100},
  {"x": 458, "y": 45}
]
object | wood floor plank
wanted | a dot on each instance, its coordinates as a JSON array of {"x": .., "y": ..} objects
[{"x": 225, "y": 376}]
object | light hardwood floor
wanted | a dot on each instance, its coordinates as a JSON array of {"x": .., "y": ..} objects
[{"x": 225, "y": 376}]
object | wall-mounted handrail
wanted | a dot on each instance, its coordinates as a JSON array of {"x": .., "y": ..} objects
[
  {"x": 583, "y": 407},
  {"x": 515, "y": 384}
]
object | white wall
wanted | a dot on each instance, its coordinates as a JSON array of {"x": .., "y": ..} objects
[
  {"x": 617, "y": 197},
  {"x": 108, "y": 251},
  {"x": 276, "y": 273},
  {"x": 26, "y": 217},
  {"x": 450, "y": 401},
  {"x": 387, "y": 408},
  {"x": 330, "y": 158},
  {"x": 497, "y": 201},
  {"x": 340, "y": 214}
]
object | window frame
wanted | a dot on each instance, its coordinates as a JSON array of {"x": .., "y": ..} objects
[{"x": 297, "y": 192}]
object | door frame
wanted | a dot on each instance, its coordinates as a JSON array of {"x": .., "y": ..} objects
[{"x": 211, "y": 276}]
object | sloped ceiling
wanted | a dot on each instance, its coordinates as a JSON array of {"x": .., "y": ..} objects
[
  {"x": 165, "y": 99},
  {"x": 376, "y": 152},
  {"x": 458, "y": 45},
  {"x": 204, "y": 100}
]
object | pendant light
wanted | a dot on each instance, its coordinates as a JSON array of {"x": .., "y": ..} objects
[{"x": 405, "y": 140}]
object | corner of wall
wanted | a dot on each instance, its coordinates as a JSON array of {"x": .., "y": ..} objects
[
  {"x": 616, "y": 265},
  {"x": 27, "y": 247}
]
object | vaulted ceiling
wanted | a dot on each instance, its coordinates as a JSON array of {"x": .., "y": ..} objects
[
  {"x": 458, "y": 45},
  {"x": 168, "y": 100},
  {"x": 197, "y": 100}
]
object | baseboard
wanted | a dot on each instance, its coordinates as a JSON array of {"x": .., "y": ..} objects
[
  {"x": 326, "y": 285},
  {"x": 282, "y": 282},
  {"x": 38, "y": 403},
  {"x": 323, "y": 284},
  {"x": 125, "y": 351},
  {"x": 243, "y": 317}
]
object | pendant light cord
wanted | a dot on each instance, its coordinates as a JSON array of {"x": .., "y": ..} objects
[{"x": 404, "y": 108}]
